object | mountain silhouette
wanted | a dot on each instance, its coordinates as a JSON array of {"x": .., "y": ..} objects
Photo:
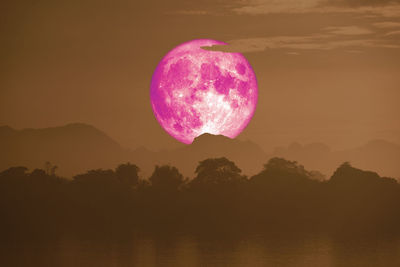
[
  {"x": 378, "y": 155},
  {"x": 246, "y": 154},
  {"x": 73, "y": 148},
  {"x": 78, "y": 147}
]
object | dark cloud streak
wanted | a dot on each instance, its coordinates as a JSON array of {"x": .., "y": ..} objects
[{"x": 359, "y": 3}]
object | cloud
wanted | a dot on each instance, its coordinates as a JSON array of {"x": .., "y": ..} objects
[
  {"x": 357, "y": 3},
  {"x": 389, "y": 11},
  {"x": 277, "y": 42},
  {"x": 387, "y": 24},
  {"x": 392, "y": 33},
  {"x": 313, "y": 42},
  {"x": 383, "y": 8},
  {"x": 192, "y": 12},
  {"x": 275, "y": 6},
  {"x": 348, "y": 30},
  {"x": 369, "y": 8}
]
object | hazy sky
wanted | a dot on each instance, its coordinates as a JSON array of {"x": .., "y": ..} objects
[{"x": 328, "y": 70}]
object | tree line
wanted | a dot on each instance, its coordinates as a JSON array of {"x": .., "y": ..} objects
[{"x": 282, "y": 196}]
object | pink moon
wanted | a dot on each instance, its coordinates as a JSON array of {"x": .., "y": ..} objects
[{"x": 195, "y": 91}]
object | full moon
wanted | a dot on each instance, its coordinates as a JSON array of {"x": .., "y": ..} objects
[{"x": 195, "y": 91}]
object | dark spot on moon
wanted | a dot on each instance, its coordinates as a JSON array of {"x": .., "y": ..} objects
[
  {"x": 243, "y": 88},
  {"x": 192, "y": 97},
  {"x": 224, "y": 83},
  {"x": 189, "y": 119},
  {"x": 202, "y": 87},
  {"x": 180, "y": 68},
  {"x": 178, "y": 73},
  {"x": 195, "y": 121},
  {"x": 178, "y": 127},
  {"x": 240, "y": 68},
  {"x": 209, "y": 71}
]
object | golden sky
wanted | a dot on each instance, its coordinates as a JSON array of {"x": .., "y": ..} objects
[{"x": 328, "y": 70}]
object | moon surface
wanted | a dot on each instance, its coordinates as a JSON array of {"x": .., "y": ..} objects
[{"x": 195, "y": 91}]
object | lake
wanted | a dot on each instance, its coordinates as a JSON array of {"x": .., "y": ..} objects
[{"x": 205, "y": 250}]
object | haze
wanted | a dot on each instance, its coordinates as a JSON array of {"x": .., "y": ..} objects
[
  {"x": 327, "y": 70},
  {"x": 88, "y": 177}
]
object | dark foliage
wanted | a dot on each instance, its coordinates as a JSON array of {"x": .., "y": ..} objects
[{"x": 283, "y": 196}]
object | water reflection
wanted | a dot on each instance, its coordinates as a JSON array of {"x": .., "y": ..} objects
[{"x": 185, "y": 250}]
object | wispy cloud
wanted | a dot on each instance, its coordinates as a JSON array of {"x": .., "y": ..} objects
[
  {"x": 192, "y": 12},
  {"x": 293, "y": 53},
  {"x": 313, "y": 42},
  {"x": 378, "y": 21},
  {"x": 392, "y": 33},
  {"x": 275, "y": 6},
  {"x": 348, "y": 30},
  {"x": 368, "y": 8},
  {"x": 355, "y": 3},
  {"x": 387, "y": 24},
  {"x": 277, "y": 42}
]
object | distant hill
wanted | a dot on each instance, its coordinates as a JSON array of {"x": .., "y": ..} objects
[
  {"x": 76, "y": 148},
  {"x": 247, "y": 155},
  {"x": 73, "y": 148},
  {"x": 378, "y": 155}
]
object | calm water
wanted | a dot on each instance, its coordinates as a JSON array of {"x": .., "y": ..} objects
[{"x": 183, "y": 250}]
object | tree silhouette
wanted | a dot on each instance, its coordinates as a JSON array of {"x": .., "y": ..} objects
[
  {"x": 128, "y": 174},
  {"x": 217, "y": 172},
  {"x": 279, "y": 172},
  {"x": 167, "y": 178},
  {"x": 14, "y": 172},
  {"x": 362, "y": 200},
  {"x": 283, "y": 195},
  {"x": 287, "y": 191}
]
